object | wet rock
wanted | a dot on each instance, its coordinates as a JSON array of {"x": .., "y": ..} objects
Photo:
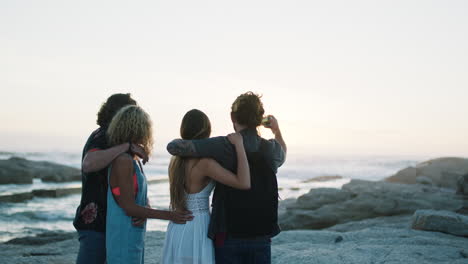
[
  {"x": 53, "y": 193},
  {"x": 16, "y": 198}
]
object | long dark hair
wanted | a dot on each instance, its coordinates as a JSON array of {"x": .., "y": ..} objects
[{"x": 195, "y": 125}]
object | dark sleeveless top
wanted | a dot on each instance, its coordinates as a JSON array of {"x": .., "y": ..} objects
[{"x": 91, "y": 213}]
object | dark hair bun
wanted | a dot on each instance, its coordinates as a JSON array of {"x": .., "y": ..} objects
[{"x": 248, "y": 110}]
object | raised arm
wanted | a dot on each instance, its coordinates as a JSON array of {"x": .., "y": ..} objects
[
  {"x": 241, "y": 180},
  {"x": 273, "y": 125},
  {"x": 121, "y": 176},
  {"x": 100, "y": 159}
]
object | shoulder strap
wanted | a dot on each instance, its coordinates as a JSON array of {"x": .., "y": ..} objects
[{"x": 141, "y": 167}]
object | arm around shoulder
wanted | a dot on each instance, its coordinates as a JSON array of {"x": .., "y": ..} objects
[
  {"x": 99, "y": 159},
  {"x": 215, "y": 171}
]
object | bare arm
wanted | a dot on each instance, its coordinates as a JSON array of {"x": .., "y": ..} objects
[
  {"x": 100, "y": 159},
  {"x": 273, "y": 125},
  {"x": 121, "y": 176},
  {"x": 241, "y": 180}
]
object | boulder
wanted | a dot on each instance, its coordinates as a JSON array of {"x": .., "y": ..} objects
[
  {"x": 442, "y": 172},
  {"x": 19, "y": 170},
  {"x": 441, "y": 221},
  {"x": 462, "y": 185},
  {"x": 13, "y": 172},
  {"x": 359, "y": 199}
]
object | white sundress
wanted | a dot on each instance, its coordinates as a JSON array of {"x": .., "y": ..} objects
[{"x": 189, "y": 243}]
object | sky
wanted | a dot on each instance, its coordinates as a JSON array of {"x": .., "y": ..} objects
[{"x": 342, "y": 77}]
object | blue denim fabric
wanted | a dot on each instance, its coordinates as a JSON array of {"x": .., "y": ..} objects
[
  {"x": 243, "y": 251},
  {"x": 92, "y": 247}
]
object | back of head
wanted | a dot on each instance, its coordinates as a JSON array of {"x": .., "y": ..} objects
[
  {"x": 248, "y": 110},
  {"x": 195, "y": 125},
  {"x": 131, "y": 124},
  {"x": 113, "y": 104}
]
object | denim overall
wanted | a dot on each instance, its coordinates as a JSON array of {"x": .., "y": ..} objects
[{"x": 125, "y": 243}]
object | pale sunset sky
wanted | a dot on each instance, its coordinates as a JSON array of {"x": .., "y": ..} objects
[{"x": 342, "y": 77}]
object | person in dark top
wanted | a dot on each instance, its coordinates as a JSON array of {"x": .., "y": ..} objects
[
  {"x": 90, "y": 217},
  {"x": 246, "y": 115}
]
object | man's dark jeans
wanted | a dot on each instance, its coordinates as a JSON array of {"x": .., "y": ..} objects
[
  {"x": 92, "y": 247},
  {"x": 244, "y": 251}
]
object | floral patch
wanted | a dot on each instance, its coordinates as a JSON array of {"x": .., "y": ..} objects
[{"x": 89, "y": 213}]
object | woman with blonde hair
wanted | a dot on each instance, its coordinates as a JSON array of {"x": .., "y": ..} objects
[
  {"x": 191, "y": 182},
  {"x": 127, "y": 189}
]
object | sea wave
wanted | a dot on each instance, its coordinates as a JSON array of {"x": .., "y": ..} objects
[{"x": 36, "y": 215}]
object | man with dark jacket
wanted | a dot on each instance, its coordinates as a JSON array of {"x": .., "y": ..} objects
[{"x": 231, "y": 244}]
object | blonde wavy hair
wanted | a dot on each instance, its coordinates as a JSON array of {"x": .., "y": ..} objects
[{"x": 131, "y": 124}]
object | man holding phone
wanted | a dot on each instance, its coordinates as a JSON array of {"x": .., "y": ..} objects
[{"x": 243, "y": 222}]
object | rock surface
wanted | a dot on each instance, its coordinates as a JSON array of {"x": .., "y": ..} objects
[
  {"x": 323, "y": 178},
  {"x": 462, "y": 185},
  {"x": 42, "y": 239},
  {"x": 20, "y": 171},
  {"x": 441, "y": 172},
  {"x": 16, "y": 198},
  {"x": 13, "y": 172},
  {"x": 357, "y": 200},
  {"x": 371, "y": 245},
  {"x": 52, "y": 193},
  {"x": 441, "y": 221},
  {"x": 397, "y": 221}
]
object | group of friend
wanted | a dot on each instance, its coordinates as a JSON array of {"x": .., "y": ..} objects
[{"x": 239, "y": 169}]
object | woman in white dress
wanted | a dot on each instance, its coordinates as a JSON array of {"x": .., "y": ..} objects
[{"x": 191, "y": 183}]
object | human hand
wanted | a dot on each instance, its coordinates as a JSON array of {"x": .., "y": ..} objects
[
  {"x": 235, "y": 139},
  {"x": 181, "y": 217},
  {"x": 272, "y": 124},
  {"x": 140, "y": 152},
  {"x": 140, "y": 221}
]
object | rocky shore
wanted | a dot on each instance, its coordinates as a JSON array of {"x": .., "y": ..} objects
[
  {"x": 420, "y": 218},
  {"x": 369, "y": 241},
  {"x": 22, "y": 171}
]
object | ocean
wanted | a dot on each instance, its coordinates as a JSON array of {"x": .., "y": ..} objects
[{"x": 56, "y": 214}]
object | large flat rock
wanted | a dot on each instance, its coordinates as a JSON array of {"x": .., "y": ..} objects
[
  {"x": 358, "y": 200},
  {"x": 441, "y": 221},
  {"x": 442, "y": 172},
  {"x": 22, "y": 171}
]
